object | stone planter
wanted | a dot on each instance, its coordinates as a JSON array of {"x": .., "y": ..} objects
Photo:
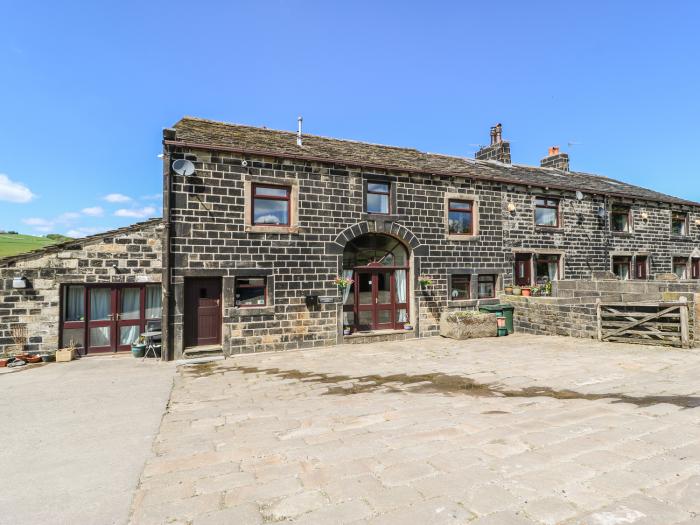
[{"x": 467, "y": 325}]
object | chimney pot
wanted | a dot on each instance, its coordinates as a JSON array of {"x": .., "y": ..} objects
[
  {"x": 497, "y": 150},
  {"x": 556, "y": 159},
  {"x": 554, "y": 150}
]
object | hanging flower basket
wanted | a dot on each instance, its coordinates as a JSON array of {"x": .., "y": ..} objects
[
  {"x": 342, "y": 282},
  {"x": 425, "y": 280}
]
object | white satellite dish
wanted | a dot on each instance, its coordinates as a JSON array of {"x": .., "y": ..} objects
[
  {"x": 579, "y": 195},
  {"x": 183, "y": 167}
]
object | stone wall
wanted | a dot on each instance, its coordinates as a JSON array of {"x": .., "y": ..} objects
[
  {"x": 210, "y": 238},
  {"x": 572, "y": 310},
  {"x": 135, "y": 251}
]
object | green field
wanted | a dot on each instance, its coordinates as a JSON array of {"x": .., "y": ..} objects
[{"x": 15, "y": 244}]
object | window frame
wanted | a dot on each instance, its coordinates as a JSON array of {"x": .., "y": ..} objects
[
  {"x": 678, "y": 261},
  {"x": 236, "y": 287},
  {"x": 622, "y": 209},
  {"x": 387, "y": 194},
  {"x": 493, "y": 279},
  {"x": 468, "y": 277},
  {"x": 547, "y": 258},
  {"x": 628, "y": 259},
  {"x": 288, "y": 199},
  {"x": 548, "y": 206},
  {"x": 470, "y": 202},
  {"x": 674, "y": 217}
]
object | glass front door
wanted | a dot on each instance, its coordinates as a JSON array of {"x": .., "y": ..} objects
[{"x": 375, "y": 300}]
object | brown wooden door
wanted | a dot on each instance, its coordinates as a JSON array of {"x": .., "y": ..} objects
[
  {"x": 523, "y": 269},
  {"x": 202, "y": 312},
  {"x": 640, "y": 268}
]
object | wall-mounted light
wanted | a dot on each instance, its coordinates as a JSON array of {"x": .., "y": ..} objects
[
  {"x": 601, "y": 212},
  {"x": 697, "y": 222},
  {"x": 511, "y": 207},
  {"x": 645, "y": 216},
  {"x": 19, "y": 283}
]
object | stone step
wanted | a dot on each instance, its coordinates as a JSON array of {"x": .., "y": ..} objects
[{"x": 379, "y": 336}]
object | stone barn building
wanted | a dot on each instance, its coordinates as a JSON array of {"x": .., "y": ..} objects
[{"x": 99, "y": 292}]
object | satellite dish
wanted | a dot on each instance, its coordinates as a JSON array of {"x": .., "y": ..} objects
[
  {"x": 579, "y": 195},
  {"x": 183, "y": 167},
  {"x": 601, "y": 212}
]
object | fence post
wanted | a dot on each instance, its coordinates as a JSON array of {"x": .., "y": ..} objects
[
  {"x": 600, "y": 319},
  {"x": 685, "y": 332}
]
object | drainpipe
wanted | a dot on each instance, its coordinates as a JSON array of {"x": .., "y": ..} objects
[{"x": 167, "y": 351}]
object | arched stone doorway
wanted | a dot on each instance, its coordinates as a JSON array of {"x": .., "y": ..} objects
[{"x": 379, "y": 298}]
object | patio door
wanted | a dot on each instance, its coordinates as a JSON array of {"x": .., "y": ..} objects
[
  {"x": 375, "y": 300},
  {"x": 129, "y": 317},
  {"x": 101, "y": 320}
]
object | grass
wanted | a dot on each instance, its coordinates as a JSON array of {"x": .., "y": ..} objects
[{"x": 11, "y": 244}]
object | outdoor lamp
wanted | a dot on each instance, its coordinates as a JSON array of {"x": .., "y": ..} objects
[{"x": 19, "y": 283}]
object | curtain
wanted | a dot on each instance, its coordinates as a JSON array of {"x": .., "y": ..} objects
[
  {"x": 154, "y": 302},
  {"x": 75, "y": 304},
  {"x": 347, "y": 316},
  {"x": 400, "y": 280},
  {"x": 131, "y": 303},
  {"x": 128, "y": 334},
  {"x": 100, "y": 304},
  {"x": 552, "y": 268}
]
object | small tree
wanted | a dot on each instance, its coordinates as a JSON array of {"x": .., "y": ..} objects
[{"x": 19, "y": 337}]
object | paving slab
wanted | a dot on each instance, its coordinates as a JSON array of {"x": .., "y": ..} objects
[
  {"x": 517, "y": 430},
  {"x": 75, "y": 437}
]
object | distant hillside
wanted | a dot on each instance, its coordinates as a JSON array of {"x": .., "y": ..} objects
[{"x": 13, "y": 244}]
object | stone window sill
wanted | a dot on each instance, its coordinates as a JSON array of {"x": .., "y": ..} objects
[
  {"x": 252, "y": 311},
  {"x": 623, "y": 234},
  {"x": 392, "y": 217},
  {"x": 682, "y": 238},
  {"x": 273, "y": 229},
  {"x": 459, "y": 237},
  {"x": 548, "y": 229}
]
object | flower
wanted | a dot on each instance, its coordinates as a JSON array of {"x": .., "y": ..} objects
[
  {"x": 425, "y": 280},
  {"x": 342, "y": 282}
]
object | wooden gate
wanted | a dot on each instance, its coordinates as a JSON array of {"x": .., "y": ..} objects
[{"x": 664, "y": 323}]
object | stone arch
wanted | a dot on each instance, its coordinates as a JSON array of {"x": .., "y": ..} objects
[{"x": 394, "y": 229}]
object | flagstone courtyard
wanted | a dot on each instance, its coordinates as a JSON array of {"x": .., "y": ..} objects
[{"x": 516, "y": 430}]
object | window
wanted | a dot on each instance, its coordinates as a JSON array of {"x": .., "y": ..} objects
[
  {"x": 154, "y": 308},
  {"x": 547, "y": 212},
  {"x": 270, "y": 205},
  {"x": 679, "y": 223},
  {"x": 460, "y": 220},
  {"x": 620, "y": 219},
  {"x": 250, "y": 291},
  {"x": 621, "y": 267},
  {"x": 547, "y": 268},
  {"x": 378, "y": 197},
  {"x": 487, "y": 286},
  {"x": 460, "y": 287},
  {"x": 695, "y": 269},
  {"x": 680, "y": 267},
  {"x": 74, "y": 303},
  {"x": 641, "y": 267}
]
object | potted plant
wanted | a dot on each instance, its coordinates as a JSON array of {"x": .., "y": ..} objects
[
  {"x": 408, "y": 326},
  {"x": 425, "y": 280},
  {"x": 508, "y": 289},
  {"x": 138, "y": 347},
  {"x": 535, "y": 291},
  {"x": 342, "y": 282},
  {"x": 517, "y": 290},
  {"x": 547, "y": 289},
  {"x": 347, "y": 330},
  {"x": 48, "y": 357},
  {"x": 6, "y": 360},
  {"x": 527, "y": 291}
]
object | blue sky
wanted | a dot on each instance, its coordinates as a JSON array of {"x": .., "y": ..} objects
[{"x": 86, "y": 88}]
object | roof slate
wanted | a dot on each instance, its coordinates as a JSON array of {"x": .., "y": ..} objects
[
  {"x": 54, "y": 248},
  {"x": 215, "y": 134}
]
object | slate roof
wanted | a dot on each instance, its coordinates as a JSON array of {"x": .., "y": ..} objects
[
  {"x": 248, "y": 139},
  {"x": 55, "y": 248}
]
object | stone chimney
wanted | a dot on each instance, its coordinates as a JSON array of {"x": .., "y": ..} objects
[
  {"x": 556, "y": 160},
  {"x": 497, "y": 150}
]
